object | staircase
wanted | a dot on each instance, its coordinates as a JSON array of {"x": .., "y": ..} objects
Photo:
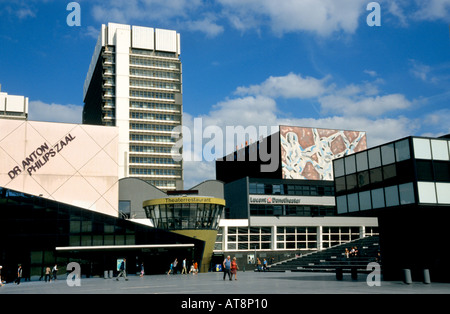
[{"x": 330, "y": 259}]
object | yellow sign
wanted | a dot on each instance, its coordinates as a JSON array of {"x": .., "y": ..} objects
[{"x": 185, "y": 200}]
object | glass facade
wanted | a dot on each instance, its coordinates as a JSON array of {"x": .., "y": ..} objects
[
  {"x": 291, "y": 189},
  {"x": 409, "y": 171},
  {"x": 290, "y": 238},
  {"x": 188, "y": 213},
  {"x": 33, "y": 228}
]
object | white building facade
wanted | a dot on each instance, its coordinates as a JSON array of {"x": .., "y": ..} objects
[
  {"x": 13, "y": 107},
  {"x": 134, "y": 82}
]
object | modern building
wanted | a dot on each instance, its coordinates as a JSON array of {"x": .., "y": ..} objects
[
  {"x": 291, "y": 210},
  {"x": 134, "y": 82},
  {"x": 194, "y": 213},
  {"x": 405, "y": 184},
  {"x": 13, "y": 107},
  {"x": 59, "y": 199},
  {"x": 67, "y": 163}
]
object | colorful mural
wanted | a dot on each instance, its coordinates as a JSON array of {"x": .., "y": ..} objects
[{"x": 307, "y": 153}]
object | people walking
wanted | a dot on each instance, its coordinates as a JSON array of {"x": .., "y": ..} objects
[
  {"x": 227, "y": 267},
  {"x": 55, "y": 271},
  {"x": 142, "y": 270},
  {"x": 19, "y": 275},
  {"x": 234, "y": 268},
  {"x": 48, "y": 277},
  {"x": 184, "y": 270},
  {"x": 122, "y": 270},
  {"x": 175, "y": 264}
]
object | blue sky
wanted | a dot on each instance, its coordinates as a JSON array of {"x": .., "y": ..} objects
[{"x": 252, "y": 62}]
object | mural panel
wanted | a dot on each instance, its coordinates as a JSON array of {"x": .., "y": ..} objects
[{"x": 307, "y": 153}]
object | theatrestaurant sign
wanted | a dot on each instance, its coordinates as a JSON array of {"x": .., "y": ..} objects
[
  {"x": 291, "y": 200},
  {"x": 185, "y": 200}
]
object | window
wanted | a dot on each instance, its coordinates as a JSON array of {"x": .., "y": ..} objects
[
  {"x": 424, "y": 170},
  {"x": 340, "y": 184},
  {"x": 406, "y": 192},
  {"x": 422, "y": 148},
  {"x": 378, "y": 198},
  {"x": 350, "y": 164},
  {"x": 402, "y": 150},
  {"x": 338, "y": 167},
  {"x": 387, "y": 154},
  {"x": 341, "y": 203},
  {"x": 361, "y": 161},
  {"x": 363, "y": 179},
  {"x": 376, "y": 175},
  {"x": 351, "y": 182},
  {"x": 441, "y": 171},
  {"x": 391, "y": 194},
  {"x": 439, "y": 149},
  {"x": 353, "y": 203},
  {"x": 374, "y": 158},
  {"x": 365, "y": 201}
]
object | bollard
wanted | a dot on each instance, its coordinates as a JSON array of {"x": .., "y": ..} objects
[
  {"x": 426, "y": 276},
  {"x": 407, "y": 276},
  {"x": 339, "y": 273},
  {"x": 105, "y": 274},
  {"x": 110, "y": 274}
]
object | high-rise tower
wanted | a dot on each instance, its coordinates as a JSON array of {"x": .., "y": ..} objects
[{"x": 134, "y": 82}]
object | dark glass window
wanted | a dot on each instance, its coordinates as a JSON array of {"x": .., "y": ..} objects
[
  {"x": 405, "y": 171},
  {"x": 424, "y": 170},
  {"x": 376, "y": 175},
  {"x": 351, "y": 182},
  {"x": 389, "y": 172},
  {"x": 340, "y": 184},
  {"x": 442, "y": 171},
  {"x": 363, "y": 179}
]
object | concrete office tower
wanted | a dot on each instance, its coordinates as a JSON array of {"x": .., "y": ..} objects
[
  {"x": 134, "y": 82},
  {"x": 13, "y": 107}
]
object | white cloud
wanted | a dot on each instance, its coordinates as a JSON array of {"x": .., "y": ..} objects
[
  {"x": 207, "y": 25},
  {"x": 433, "y": 10},
  {"x": 419, "y": 70},
  {"x": 322, "y": 17},
  {"x": 40, "y": 111},
  {"x": 289, "y": 86},
  {"x": 362, "y": 105}
]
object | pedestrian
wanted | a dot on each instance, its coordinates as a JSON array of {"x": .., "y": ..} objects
[
  {"x": 227, "y": 267},
  {"x": 184, "y": 270},
  {"x": 192, "y": 269},
  {"x": 142, "y": 270},
  {"x": 258, "y": 264},
  {"x": 175, "y": 264},
  {"x": 122, "y": 270},
  {"x": 195, "y": 268},
  {"x": 264, "y": 265},
  {"x": 55, "y": 271},
  {"x": 1, "y": 281},
  {"x": 47, "y": 274},
  {"x": 171, "y": 269},
  {"x": 19, "y": 274},
  {"x": 234, "y": 268}
]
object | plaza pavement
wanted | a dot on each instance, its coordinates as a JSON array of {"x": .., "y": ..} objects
[{"x": 248, "y": 283}]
